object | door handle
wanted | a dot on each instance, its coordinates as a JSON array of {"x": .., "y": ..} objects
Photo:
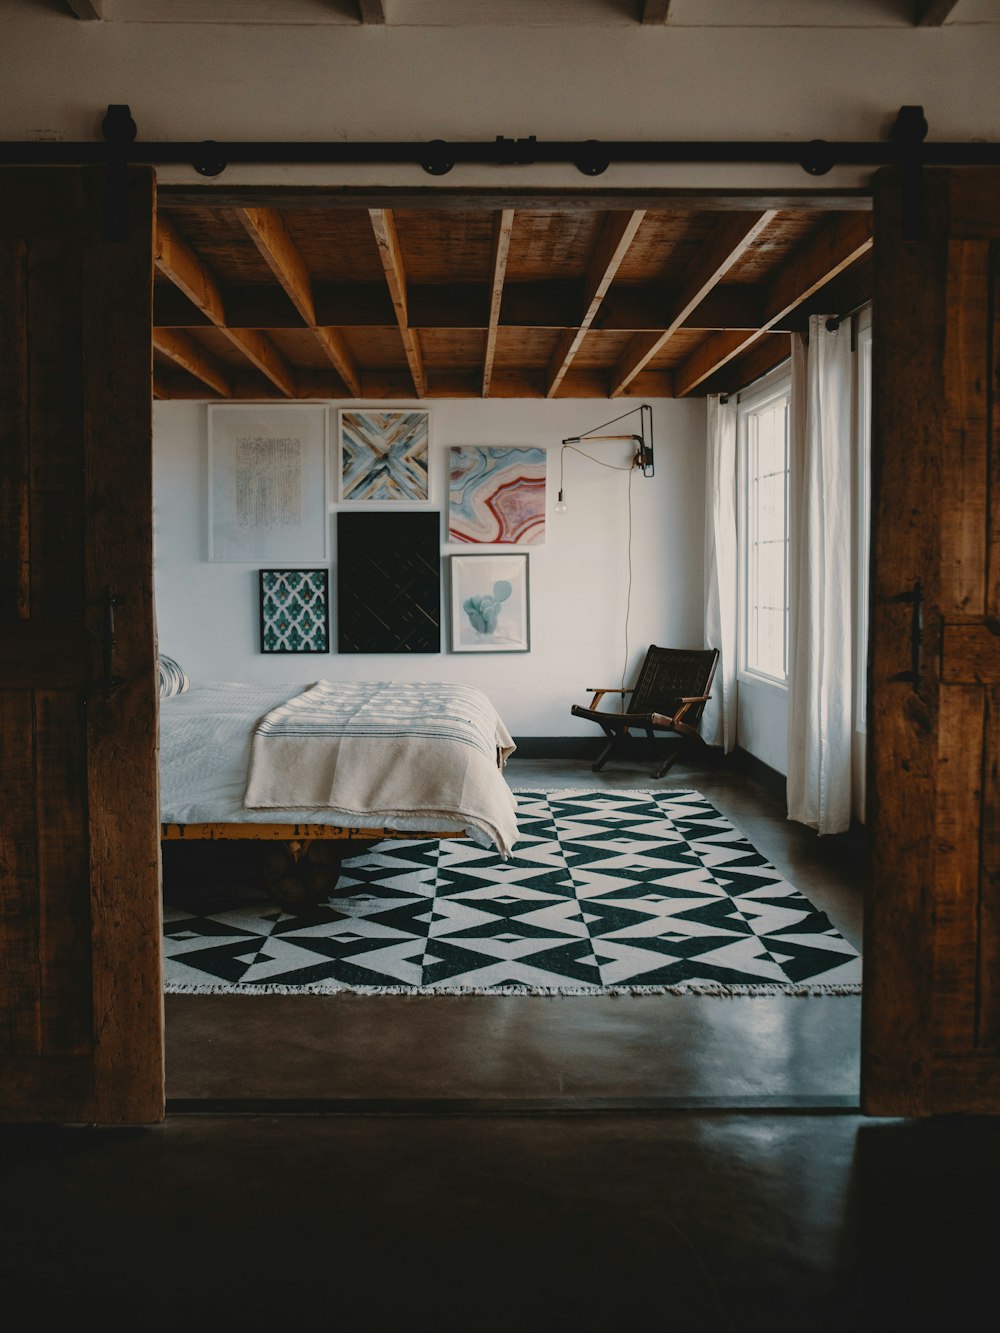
[
  {"x": 915, "y": 598},
  {"x": 111, "y": 680}
]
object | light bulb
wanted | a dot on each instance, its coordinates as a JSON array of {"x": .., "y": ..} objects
[{"x": 560, "y": 505}]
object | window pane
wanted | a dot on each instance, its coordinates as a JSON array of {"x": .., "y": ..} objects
[{"x": 765, "y": 550}]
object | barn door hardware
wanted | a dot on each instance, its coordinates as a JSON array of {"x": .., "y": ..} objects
[
  {"x": 906, "y": 148},
  {"x": 111, "y": 681},
  {"x": 915, "y": 599}
]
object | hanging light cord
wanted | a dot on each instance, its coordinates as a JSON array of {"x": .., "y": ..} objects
[
  {"x": 628, "y": 589},
  {"x": 614, "y": 467}
]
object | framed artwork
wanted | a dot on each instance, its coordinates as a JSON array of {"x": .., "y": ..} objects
[
  {"x": 384, "y": 455},
  {"x": 496, "y": 495},
  {"x": 294, "y": 611},
  {"x": 388, "y": 582},
  {"x": 489, "y": 604},
  {"x": 267, "y": 482}
]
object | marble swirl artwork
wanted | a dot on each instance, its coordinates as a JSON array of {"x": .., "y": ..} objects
[
  {"x": 496, "y": 494},
  {"x": 384, "y": 455}
]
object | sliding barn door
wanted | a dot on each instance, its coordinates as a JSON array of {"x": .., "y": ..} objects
[
  {"x": 931, "y": 1009},
  {"x": 81, "y": 1035}
]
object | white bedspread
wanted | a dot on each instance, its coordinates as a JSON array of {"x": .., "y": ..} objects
[{"x": 205, "y": 752}]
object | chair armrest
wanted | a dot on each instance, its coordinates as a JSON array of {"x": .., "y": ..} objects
[
  {"x": 688, "y": 702},
  {"x": 598, "y": 694}
]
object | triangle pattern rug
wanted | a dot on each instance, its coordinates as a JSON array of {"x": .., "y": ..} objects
[{"x": 607, "y": 892}]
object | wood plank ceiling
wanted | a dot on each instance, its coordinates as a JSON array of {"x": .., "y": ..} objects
[{"x": 291, "y": 300}]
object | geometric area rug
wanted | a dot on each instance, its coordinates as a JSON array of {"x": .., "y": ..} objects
[{"x": 607, "y": 892}]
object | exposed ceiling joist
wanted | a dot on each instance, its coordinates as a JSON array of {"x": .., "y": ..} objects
[
  {"x": 267, "y": 230},
  {"x": 735, "y": 235},
  {"x": 177, "y": 261},
  {"x": 769, "y": 351},
  {"x": 616, "y": 236},
  {"x": 384, "y": 227},
  {"x": 372, "y": 11},
  {"x": 655, "y": 11},
  {"x": 840, "y": 244},
  {"x": 180, "y": 348},
  {"x": 89, "y": 10},
  {"x": 498, "y": 264},
  {"x": 932, "y": 13},
  {"x": 499, "y": 303}
]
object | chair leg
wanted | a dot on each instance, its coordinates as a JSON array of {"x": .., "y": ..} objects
[
  {"x": 675, "y": 754},
  {"x": 601, "y": 759}
]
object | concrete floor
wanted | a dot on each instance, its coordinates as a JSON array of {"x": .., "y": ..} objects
[
  {"x": 629, "y": 1051},
  {"x": 440, "y": 1218}
]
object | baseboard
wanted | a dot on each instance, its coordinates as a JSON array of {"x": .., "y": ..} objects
[
  {"x": 852, "y": 845},
  {"x": 773, "y": 782},
  {"x": 557, "y": 747}
]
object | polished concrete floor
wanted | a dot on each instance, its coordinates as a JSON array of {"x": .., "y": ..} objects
[
  {"x": 574, "y": 1051},
  {"x": 498, "y": 1178},
  {"x": 678, "y": 1222}
]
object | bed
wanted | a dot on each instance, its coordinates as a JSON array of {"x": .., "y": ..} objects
[{"x": 313, "y": 769}]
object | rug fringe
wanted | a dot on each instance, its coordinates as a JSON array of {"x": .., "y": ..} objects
[{"x": 720, "y": 992}]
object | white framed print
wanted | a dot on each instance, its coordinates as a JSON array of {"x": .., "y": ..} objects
[
  {"x": 383, "y": 455},
  {"x": 489, "y": 604},
  {"x": 267, "y": 483}
]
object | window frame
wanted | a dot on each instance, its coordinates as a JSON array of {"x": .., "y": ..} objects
[{"x": 774, "y": 386}]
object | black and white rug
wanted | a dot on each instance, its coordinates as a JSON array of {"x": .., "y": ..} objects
[{"x": 607, "y": 892}]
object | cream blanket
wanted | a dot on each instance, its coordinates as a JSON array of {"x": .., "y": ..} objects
[{"x": 367, "y": 750}]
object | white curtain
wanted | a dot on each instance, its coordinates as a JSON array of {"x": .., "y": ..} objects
[
  {"x": 718, "y": 725},
  {"x": 821, "y": 564}
]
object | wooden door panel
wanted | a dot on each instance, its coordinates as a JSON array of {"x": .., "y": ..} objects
[
  {"x": 931, "y": 1010},
  {"x": 80, "y": 1006}
]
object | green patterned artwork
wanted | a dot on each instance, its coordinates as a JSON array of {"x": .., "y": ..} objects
[{"x": 294, "y": 611}]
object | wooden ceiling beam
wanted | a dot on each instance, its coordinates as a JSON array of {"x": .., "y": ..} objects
[
  {"x": 840, "y": 244},
  {"x": 263, "y": 354},
  {"x": 89, "y": 10},
  {"x": 384, "y": 227},
  {"x": 729, "y": 241},
  {"x": 502, "y": 229},
  {"x": 189, "y": 355},
  {"x": 932, "y": 13},
  {"x": 766, "y": 353},
  {"x": 267, "y": 230},
  {"x": 616, "y": 236},
  {"x": 544, "y": 304},
  {"x": 372, "y": 11},
  {"x": 655, "y": 11},
  {"x": 177, "y": 261}
]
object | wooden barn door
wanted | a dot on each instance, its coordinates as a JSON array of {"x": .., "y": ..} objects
[
  {"x": 931, "y": 1008},
  {"x": 81, "y": 1033}
]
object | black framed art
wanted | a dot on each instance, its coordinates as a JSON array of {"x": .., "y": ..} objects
[
  {"x": 294, "y": 611},
  {"x": 388, "y": 582}
]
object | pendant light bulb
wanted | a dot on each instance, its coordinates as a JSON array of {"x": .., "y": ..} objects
[{"x": 560, "y": 505}]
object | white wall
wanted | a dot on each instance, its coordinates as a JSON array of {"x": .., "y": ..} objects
[
  {"x": 207, "y": 612},
  {"x": 762, "y": 723}
]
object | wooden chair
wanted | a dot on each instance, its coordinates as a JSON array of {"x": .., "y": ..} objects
[{"x": 669, "y": 696}]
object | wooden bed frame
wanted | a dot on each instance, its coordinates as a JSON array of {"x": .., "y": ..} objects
[{"x": 301, "y": 865}]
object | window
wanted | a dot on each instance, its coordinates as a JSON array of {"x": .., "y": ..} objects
[{"x": 762, "y": 441}]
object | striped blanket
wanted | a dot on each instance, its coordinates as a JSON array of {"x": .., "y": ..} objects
[{"x": 367, "y": 750}]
